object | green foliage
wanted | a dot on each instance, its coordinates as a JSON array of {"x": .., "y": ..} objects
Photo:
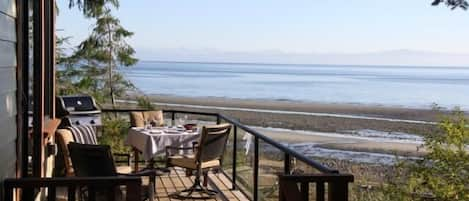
[
  {"x": 92, "y": 8},
  {"x": 442, "y": 174},
  {"x": 66, "y": 73},
  {"x": 114, "y": 132},
  {"x": 101, "y": 54},
  {"x": 453, "y": 4},
  {"x": 145, "y": 102}
]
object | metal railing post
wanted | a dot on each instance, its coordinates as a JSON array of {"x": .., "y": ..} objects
[
  {"x": 287, "y": 165},
  {"x": 235, "y": 138},
  {"x": 256, "y": 168},
  {"x": 173, "y": 118}
]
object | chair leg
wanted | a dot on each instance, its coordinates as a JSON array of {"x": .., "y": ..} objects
[
  {"x": 205, "y": 193},
  {"x": 205, "y": 179},
  {"x": 153, "y": 182}
]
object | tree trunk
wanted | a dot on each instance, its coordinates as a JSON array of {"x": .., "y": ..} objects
[{"x": 110, "y": 67}]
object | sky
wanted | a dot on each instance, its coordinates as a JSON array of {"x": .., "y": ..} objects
[{"x": 185, "y": 30}]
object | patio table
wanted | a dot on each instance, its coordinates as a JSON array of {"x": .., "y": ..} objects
[{"x": 153, "y": 142}]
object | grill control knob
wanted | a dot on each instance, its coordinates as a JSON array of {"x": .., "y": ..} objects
[
  {"x": 77, "y": 122},
  {"x": 92, "y": 122}
]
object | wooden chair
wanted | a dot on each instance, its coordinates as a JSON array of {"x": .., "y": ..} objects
[
  {"x": 138, "y": 119},
  {"x": 96, "y": 161},
  {"x": 207, "y": 154}
]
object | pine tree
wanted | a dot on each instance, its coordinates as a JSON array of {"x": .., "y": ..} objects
[
  {"x": 103, "y": 52},
  {"x": 92, "y": 8},
  {"x": 453, "y": 4}
]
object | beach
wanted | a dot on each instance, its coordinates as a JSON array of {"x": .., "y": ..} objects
[
  {"x": 331, "y": 126},
  {"x": 310, "y": 116}
]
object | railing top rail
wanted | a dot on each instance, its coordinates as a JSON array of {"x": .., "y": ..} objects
[
  {"x": 318, "y": 177},
  {"x": 123, "y": 109},
  {"x": 280, "y": 146},
  {"x": 253, "y": 132},
  {"x": 192, "y": 112},
  {"x": 164, "y": 111}
]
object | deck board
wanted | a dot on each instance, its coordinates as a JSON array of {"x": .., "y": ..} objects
[{"x": 176, "y": 180}]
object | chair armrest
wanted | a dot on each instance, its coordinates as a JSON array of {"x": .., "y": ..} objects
[
  {"x": 122, "y": 155},
  {"x": 179, "y": 148}
]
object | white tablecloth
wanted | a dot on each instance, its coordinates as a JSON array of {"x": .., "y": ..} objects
[{"x": 153, "y": 142}]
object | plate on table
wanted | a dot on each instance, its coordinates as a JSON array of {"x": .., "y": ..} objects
[
  {"x": 192, "y": 130},
  {"x": 173, "y": 131},
  {"x": 155, "y": 131}
]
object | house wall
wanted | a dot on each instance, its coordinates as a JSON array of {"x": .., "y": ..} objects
[{"x": 8, "y": 67}]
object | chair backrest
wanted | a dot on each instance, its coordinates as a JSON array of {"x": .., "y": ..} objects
[
  {"x": 84, "y": 134},
  {"x": 92, "y": 160},
  {"x": 64, "y": 137},
  {"x": 213, "y": 142},
  {"x": 137, "y": 119}
]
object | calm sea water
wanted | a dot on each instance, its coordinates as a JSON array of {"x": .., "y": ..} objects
[{"x": 416, "y": 87}]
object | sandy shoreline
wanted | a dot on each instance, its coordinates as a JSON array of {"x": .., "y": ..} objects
[
  {"x": 333, "y": 108},
  {"x": 330, "y": 124},
  {"x": 309, "y": 122},
  {"x": 345, "y": 143}
]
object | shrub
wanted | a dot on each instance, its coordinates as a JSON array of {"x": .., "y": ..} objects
[
  {"x": 443, "y": 173},
  {"x": 114, "y": 133}
]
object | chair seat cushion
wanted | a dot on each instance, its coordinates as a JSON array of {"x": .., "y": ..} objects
[
  {"x": 188, "y": 161},
  {"x": 124, "y": 169}
]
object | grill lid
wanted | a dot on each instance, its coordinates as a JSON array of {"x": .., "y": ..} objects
[{"x": 76, "y": 105}]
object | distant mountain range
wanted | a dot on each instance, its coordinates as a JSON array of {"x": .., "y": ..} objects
[{"x": 393, "y": 57}]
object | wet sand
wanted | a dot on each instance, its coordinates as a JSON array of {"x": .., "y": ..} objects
[
  {"x": 301, "y": 119},
  {"x": 346, "y": 143},
  {"x": 336, "y": 118}
]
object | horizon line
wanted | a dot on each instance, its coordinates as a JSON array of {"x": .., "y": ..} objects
[{"x": 301, "y": 64}]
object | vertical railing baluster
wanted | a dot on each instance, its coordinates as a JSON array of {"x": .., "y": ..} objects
[
  {"x": 71, "y": 193},
  {"x": 337, "y": 190},
  {"x": 133, "y": 190},
  {"x": 305, "y": 191},
  {"x": 287, "y": 164},
  {"x": 218, "y": 119},
  {"x": 320, "y": 191},
  {"x": 91, "y": 193},
  {"x": 235, "y": 145},
  {"x": 173, "y": 118},
  {"x": 8, "y": 193},
  {"x": 51, "y": 193},
  {"x": 256, "y": 168}
]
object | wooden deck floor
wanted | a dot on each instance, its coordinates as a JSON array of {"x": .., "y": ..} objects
[{"x": 177, "y": 180}]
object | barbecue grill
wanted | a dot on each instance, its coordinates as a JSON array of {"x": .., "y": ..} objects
[{"x": 78, "y": 110}]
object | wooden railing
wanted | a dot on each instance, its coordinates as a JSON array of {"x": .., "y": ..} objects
[
  {"x": 132, "y": 184},
  {"x": 296, "y": 187},
  {"x": 337, "y": 183}
]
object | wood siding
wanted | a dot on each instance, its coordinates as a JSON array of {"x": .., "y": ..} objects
[{"x": 8, "y": 106}]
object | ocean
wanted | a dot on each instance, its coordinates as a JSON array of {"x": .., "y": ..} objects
[{"x": 401, "y": 86}]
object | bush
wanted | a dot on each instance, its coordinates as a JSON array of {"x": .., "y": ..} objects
[
  {"x": 114, "y": 133},
  {"x": 443, "y": 173}
]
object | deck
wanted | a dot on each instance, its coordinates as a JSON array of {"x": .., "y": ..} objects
[{"x": 177, "y": 180}]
